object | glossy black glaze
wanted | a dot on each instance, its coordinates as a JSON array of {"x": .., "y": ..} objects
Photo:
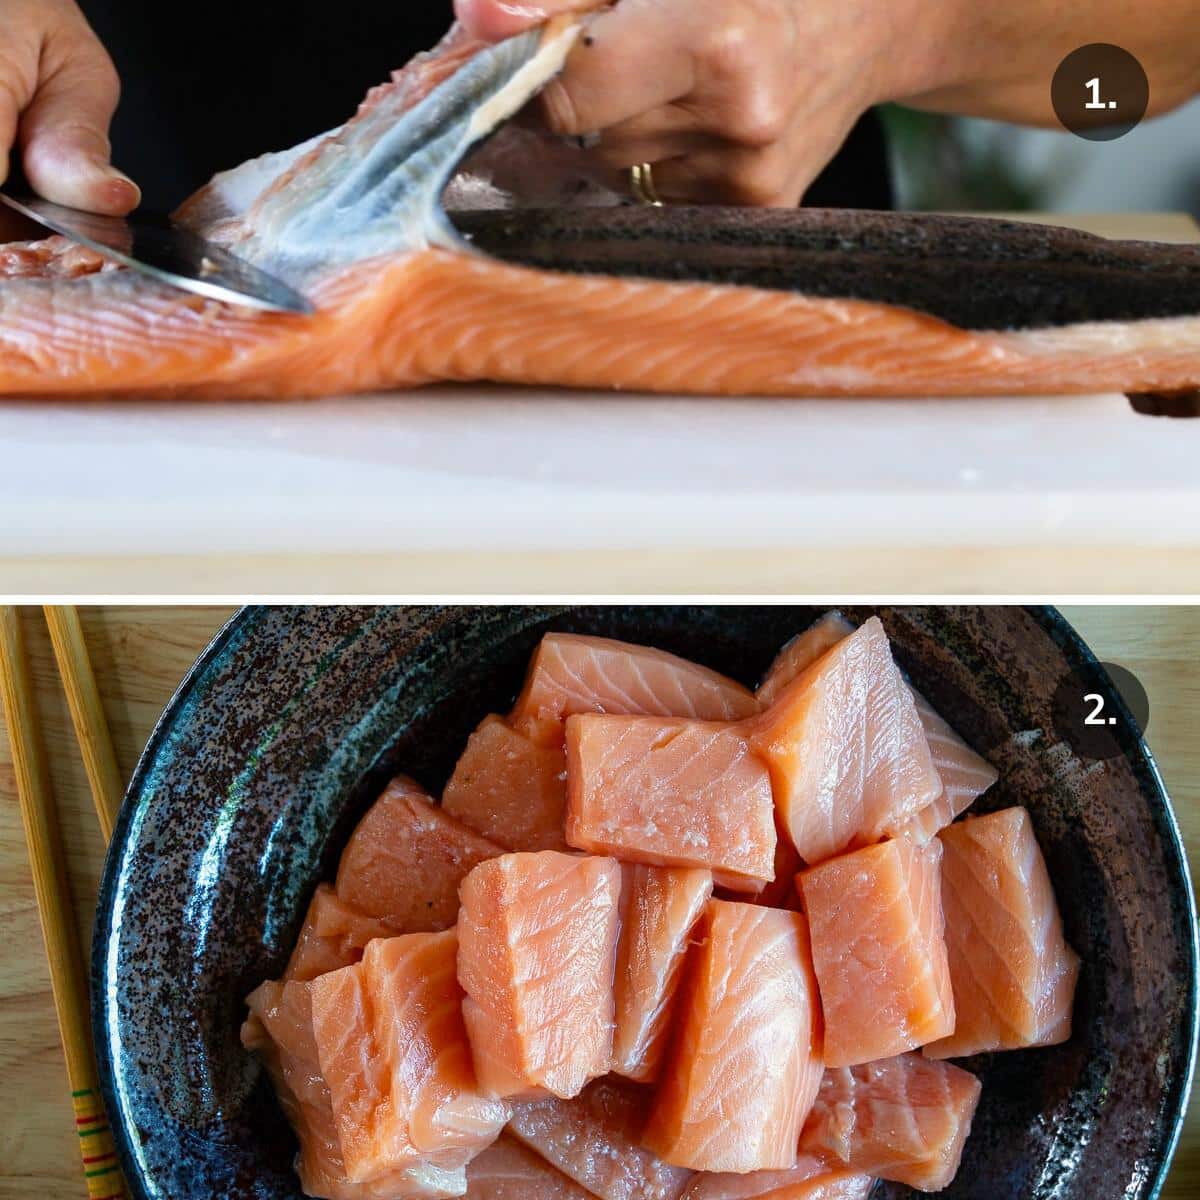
[{"x": 293, "y": 718}]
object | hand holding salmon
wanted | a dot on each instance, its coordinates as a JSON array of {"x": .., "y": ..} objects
[
  {"x": 722, "y": 997},
  {"x": 671, "y": 300}
]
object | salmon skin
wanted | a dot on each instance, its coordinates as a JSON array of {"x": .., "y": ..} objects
[
  {"x": 975, "y": 273},
  {"x": 717, "y": 303}
]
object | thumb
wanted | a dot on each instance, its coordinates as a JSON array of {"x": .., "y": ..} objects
[
  {"x": 495, "y": 20},
  {"x": 64, "y": 134}
]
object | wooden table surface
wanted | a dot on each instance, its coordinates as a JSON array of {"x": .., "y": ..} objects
[{"x": 139, "y": 656}]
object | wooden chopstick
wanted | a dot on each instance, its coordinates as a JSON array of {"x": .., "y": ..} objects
[
  {"x": 87, "y": 713},
  {"x": 59, "y": 932}
]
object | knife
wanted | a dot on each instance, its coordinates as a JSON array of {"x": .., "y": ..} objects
[{"x": 152, "y": 244}]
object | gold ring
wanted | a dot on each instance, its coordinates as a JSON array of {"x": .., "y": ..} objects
[{"x": 641, "y": 184}]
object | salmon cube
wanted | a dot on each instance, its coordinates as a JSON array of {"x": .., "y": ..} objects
[
  {"x": 905, "y": 1118},
  {"x": 848, "y": 756},
  {"x": 878, "y": 947},
  {"x": 510, "y": 788},
  {"x": 1011, "y": 969},
  {"x": 538, "y": 936},
  {"x": 506, "y": 1170},
  {"x": 810, "y": 1179},
  {"x": 964, "y": 774},
  {"x": 393, "y": 1050},
  {"x": 800, "y": 654},
  {"x": 659, "y": 910},
  {"x": 670, "y": 792},
  {"x": 570, "y": 673},
  {"x": 280, "y": 1030},
  {"x": 595, "y": 1141},
  {"x": 405, "y": 860},
  {"x": 745, "y": 1063},
  {"x": 334, "y": 935}
]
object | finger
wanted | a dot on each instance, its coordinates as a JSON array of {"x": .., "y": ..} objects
[
  {"x": 10, "y": 113},
  {"x": 653, "y": 137},
  {"x": 632, "y": 61},
  {"x": 495, "y": 20},
  {"x": 731, "y": 175},
  {"x": 64, "y": 132}
]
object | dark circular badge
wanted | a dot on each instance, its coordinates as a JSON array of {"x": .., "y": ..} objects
[
  {"x": 1100, "y": 92},
  {"x": 1084, "y": 715}
]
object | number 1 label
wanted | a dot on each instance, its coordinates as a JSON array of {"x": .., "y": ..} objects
[{"x": 1093, "y": 86}]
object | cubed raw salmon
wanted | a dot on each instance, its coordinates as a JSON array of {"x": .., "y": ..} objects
[
  {"x": 878, "y": 947},
  {"x": 506, "y": 1170},
  {"x": 334, "y": 935},
  {"x": 571, "y": 673},
  {"x": 1011, "y": 969},
  {"x": 538, "y": 938},
  {"x": 595, "y": 1139},
  {"x": 848, "y": 755},
  {"x": 660, "y": 908},
  {"x": 510, "y": 788},
  {"x": 745, "y": 1063},
  {"x": 406, "y": 858},
  {"x": 904, "y": 1118},
  {"x": 393, "y": 1050},
  {"x": 671, "y": 792}
]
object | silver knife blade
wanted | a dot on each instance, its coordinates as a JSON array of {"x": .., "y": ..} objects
[{"x": 151, "y": 244}]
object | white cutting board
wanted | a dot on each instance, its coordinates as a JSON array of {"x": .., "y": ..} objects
[{"x": 516, "y": 469}]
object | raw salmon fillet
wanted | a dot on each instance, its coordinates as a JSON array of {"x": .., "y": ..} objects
[
  {"x": 671, "y": 792},
  {"x": 848, "y": 756},
  {"x": 510, "y": 788},
  {"x": 280, "y": 1031},
  {"x": 800, "y": 653},
  {"x": 1012, "y": 971},
  {"x": 904, "y": 1118},
  {"x": 595, "y": 1140},
  {"x": 538, "y": 937},
  {"x": 507, "y": 1171},
  {"x": 745, "y": 1063},
  {"x": 660, "y": 907},
  {"x": 964, "y": 775},
  {"x": 827, "y": 303},
  {"x": 878, "y": 947},
  {"x": 406, "y": 858},
  {"x": 570, "y": 673},
  {"x": 393, "y": 1050},
  {"x": 811, "y": 1178},
  {"x": 334, "y": 935}
]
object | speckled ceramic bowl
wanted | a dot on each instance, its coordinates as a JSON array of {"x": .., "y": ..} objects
[{"x": 292, "y": 720}]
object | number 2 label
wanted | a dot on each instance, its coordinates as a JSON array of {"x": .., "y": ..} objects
[{"x": 1096, "y": 717}]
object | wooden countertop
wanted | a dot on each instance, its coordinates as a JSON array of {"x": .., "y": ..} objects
[{"x": 141, "y": 653}]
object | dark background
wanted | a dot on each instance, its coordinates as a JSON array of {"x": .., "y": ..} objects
[{"x": 248, "y": 76}]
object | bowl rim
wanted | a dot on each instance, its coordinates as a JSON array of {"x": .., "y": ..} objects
[{"x": 240, "y": 626}]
